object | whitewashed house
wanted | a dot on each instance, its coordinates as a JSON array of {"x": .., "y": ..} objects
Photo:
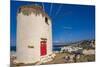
[
  {"x": 34, "y": 36},
  {"x": 89, "y": 52},
  {"x": 70, "y": 48}
]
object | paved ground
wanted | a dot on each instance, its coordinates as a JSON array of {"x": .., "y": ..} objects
[{"x": 59, "y": 59}]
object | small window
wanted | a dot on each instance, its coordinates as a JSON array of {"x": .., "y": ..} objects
[
  {"x": 30, "y": 46},
  {"x": 46, "y": 20}
]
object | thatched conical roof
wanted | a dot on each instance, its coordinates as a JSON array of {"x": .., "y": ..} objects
[{"x": 29, "y": 9}]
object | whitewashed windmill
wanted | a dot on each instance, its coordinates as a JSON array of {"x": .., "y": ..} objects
[{"x": 34, "y": 34}]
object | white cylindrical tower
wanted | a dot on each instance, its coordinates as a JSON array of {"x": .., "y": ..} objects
[{"x": 34, "y": 34}]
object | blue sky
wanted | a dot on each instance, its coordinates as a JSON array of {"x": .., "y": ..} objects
[{"x": 69, "y": 22}]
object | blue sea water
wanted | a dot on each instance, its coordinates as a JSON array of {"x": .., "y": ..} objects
[{"x": 13, "y": 48}]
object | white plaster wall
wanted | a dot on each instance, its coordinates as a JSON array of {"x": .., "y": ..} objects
[
  {"x": 29, "y": 31},
  {"x": 49, "y": 38}
]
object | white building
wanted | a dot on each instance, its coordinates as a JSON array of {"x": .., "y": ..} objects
[
  {"x": 89, "y": 52},
  {"x": 34, "y": 36},
  {"x": 70, "y": 48}
]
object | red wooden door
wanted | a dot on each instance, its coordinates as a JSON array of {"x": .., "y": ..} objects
[{"x": 43, "y": 48}]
